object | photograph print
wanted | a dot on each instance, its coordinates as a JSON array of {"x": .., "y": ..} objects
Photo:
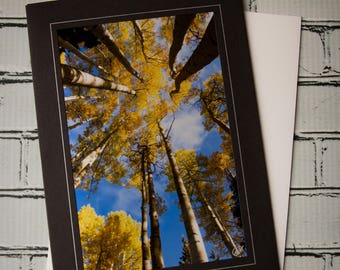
[{"x": 154, "y": 171}]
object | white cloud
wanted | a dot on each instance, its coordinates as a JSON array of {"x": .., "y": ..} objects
[
  {"x": 113, "y": 197},
  {"x": 127, "y": 200},
  {"x": 187, "y": 130}
]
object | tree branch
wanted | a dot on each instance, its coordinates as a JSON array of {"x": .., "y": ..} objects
[
  {"x": 73, "y": 76},
  {"x": 204, "y": 54},
  {"x": 107, "y": 39},
  {"x": 222, "y": 125},
  {"x": 139, "y": 33},
  {"x": 66, "y": 45},
  {"x": 182, "y": 23}
]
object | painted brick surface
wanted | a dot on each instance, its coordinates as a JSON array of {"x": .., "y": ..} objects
[
  {"x": 334, "y": 41},
  {"x": 304, "y": 262},
  {"x": 23, "y": 262},
  {"x": 38, "y": 262},
  {"x": 328, "y": 35},
  {"x": 336, "y": 262},
  {"x": 306, "y": 8},
  {"x": 13, "y": 262},
  {"x": 311, "y": 45},
  {"x": 314, "y": 220},
  {"x": 316, "y": 162},
  {"x": 331, "y": 163},
  {"x": 318, "y": 109},
  {"x": 314, "y": 230},
  {"x": 23, "y": 226},
  {"x": 34, "y": 172},
  {"x": 303, "y": 170},
  {"x": 14, "y": 49},
  {"x": 10, "y": 163},
  {"x": 17, "y": 109},
  {"x": 14, "y": 8},
  {"x": 23, "y": 219}
]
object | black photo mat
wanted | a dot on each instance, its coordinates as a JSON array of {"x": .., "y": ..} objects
[{"x": 47, "y": 23}]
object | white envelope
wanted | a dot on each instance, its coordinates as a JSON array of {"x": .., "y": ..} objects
[
  {"x": 274, "y": 46},
  {"x": 274, "y": 43}
]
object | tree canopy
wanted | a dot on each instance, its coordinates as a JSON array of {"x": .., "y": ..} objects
[{"x": 110, "y": 242}]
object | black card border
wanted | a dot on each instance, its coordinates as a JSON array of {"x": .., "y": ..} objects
[{"x": 43, "y": 21}]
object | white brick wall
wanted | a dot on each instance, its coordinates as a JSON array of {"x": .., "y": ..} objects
[
  {"x": 317, "y": 9},
  {"x": 14, "y": 47},
  {"x": 313, "y": 241},
  {"x": 23, "y": 225},
  {"x": 17, "y": 105},
  {"x": 315, "y": 106}
]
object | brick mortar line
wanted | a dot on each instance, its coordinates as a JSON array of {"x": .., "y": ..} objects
[
  {"x": 22, "y": 255},
  {"x": 18, "y": 254},
  {"x": 315, "y": 252},
  {"x": 8, "y": 137},
  {"x": 4, "y": 81},
  {"x": 19, "y": 134},
  {"x": 22, "y": 189},
  {"x": 27, "y": 73},
  {"x": 309, "y": 81},
  {"x": 314, "y": 135},
  {"x": 13, "y": 18},
  {"x": 13, "y": 24},
  {"x": 23, "y": 193},
  {"x": 18, "y": 137},
  {"x": 331, "y": 24},
  {"x": 316, "y": 188},
  {"x": 9, "y": 251},
  {"x": 322, "y": 76},
  {"x": 319, "y": 26},
  {"x": 15, "y": 78},
  {"x": 34, "y": 248},
  {"x": 6, "y": 131},
  {"x": 318, "y": 21},
  {"x": 315, "y": 192}
]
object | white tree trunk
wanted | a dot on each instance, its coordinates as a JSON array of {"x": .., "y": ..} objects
[
  {"x": 73, "y": 76},
  {"x": 196, "y": 244}
]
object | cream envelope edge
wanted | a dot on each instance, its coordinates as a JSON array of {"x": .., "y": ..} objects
[{"x": 274, "y": 42}]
